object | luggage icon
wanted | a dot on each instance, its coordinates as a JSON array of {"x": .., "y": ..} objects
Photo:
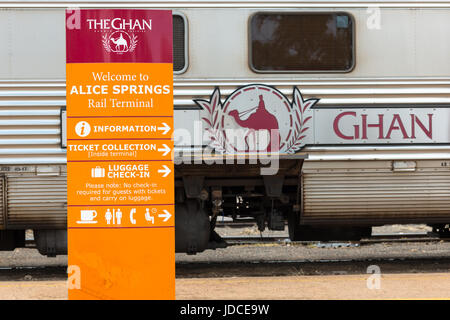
[{"x": 97, "y": 172}]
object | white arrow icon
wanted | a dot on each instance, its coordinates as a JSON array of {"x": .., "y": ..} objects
[
  {"x": 166, "y": 149},
  {"x": 166, "y": 215},
  {"x": 164, "y": 128},
  {"x": 166, "y": 171}
]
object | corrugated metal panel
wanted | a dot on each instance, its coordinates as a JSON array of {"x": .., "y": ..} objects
[
  {"x": 338, "y": 91},
  {"x": 36, "y": 201},
  {"x": 371, "y": 191},
  {"x": 30, "y": 125},
  {"x": 21, "y": 100}
]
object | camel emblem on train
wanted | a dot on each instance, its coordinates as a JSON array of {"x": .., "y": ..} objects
[
  {"x": 119, "y": 42},
  {"x": 257, "y": 119}
]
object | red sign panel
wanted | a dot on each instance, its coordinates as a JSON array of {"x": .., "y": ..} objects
[{"x": 119, "y": 36}]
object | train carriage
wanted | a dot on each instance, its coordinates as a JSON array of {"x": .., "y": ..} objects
[{"x": 346, "y": 102}]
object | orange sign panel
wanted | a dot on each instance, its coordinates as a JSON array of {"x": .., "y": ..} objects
[
  {"x": 120, "y": 182},
  {"x": 121, "y": 238},
  {"x": 120, "y": 89}
]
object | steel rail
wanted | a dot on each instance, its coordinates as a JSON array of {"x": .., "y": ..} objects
[{"x": 378, "y": 238}]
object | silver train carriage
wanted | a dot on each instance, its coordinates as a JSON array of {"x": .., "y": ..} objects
[{"x": 359, "y": 90}]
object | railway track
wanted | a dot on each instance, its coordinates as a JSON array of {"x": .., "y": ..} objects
[
  {"x": 214, "y": 269},
  {"x": 299, "y": 267},
  {"x": 378, "y": 238},
  {"x": 406, "y": 253},
  {"x": 284, "y": 239},
  {"x": 33, "y": 273}
]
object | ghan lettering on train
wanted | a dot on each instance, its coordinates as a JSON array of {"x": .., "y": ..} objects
[{"x": 382, "y": 126}]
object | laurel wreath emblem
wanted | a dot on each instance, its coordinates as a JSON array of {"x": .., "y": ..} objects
[
  {"x": 105, "y": 42},
  {"x": 300, "y": 110},
  {"x": 212, "y": 114},
  {"x": 133, "y": 43}
]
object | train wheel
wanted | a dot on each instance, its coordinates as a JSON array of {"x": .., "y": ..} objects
[
  {"x": 192, "y": 227},
  {"x": 294, "y": 226},
  {"x": 11, "y": 239}
]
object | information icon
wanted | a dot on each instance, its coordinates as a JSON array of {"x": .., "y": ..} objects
[{"x": 82, "y": 129}]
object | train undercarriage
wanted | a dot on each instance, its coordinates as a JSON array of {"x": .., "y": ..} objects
[
  {"x": 205, "y": 193},
  {"x": 318, "y": 200}
]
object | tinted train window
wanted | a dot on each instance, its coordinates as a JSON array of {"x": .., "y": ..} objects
[
  {"x": 290, "y": 42},
  {"x": 179, "y": 43}
]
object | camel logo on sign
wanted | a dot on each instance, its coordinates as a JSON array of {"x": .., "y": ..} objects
[
  {"x": 119, "y": 34},
  {"x": 257, "y": 118},
  {"x": 119, "y": 42}
]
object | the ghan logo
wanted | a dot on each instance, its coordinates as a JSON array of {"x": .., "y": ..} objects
[
  {"x": 257, "y": 118},
  {"x": 119, "y": 34},
  {"x": 119, "y": 24},
  {"x": 260, "y": 119}
]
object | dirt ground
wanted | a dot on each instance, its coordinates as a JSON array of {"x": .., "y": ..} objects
[
  {"x": 33, "y": 290},
  {"x": 348, "y": 287},
  {"x": 268, "y": 271},
  {"x": 392, "y": 286}
]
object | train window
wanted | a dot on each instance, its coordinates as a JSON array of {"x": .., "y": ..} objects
[
  {"x": 63, "y": 119},
  {"x": 301, "y": 42},
  {"x": 179, "y": 43}
]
